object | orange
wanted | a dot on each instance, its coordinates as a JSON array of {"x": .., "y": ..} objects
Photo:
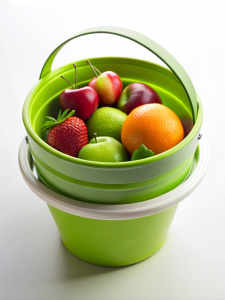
[{"x": 153, "y": 125}]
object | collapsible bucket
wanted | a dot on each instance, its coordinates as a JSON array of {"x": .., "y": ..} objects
[
  {"x": 114, "y": 183},
  {"x": 114, "y": 235}
]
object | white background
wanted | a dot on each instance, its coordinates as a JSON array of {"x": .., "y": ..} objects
[{"x": 33, "y": 262}]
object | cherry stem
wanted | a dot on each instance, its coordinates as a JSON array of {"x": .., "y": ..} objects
[
  {"x": 92, "y": 68},
  {"x": 68, "y": 82},
  {"x": 75, "y": 75},
  {"x": 97, "y": 70},
  {"x": 95, "y": 135}
]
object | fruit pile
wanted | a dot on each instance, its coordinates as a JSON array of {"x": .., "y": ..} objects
[{"x": 101, "y": 122}]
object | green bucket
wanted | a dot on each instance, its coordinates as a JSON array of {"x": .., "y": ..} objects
[
  {"x": 114, "y": 183},
  {"x": 114, "y": 235}
]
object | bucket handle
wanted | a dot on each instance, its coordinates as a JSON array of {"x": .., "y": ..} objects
[{"x": 147, "y": 43}]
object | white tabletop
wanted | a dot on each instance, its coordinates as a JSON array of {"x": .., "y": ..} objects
[{"x": 34, "y": 264}]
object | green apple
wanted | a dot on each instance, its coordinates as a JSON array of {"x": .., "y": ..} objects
[
  {"x": 106, "y": 121},
  {"x": 104, "y": 149}
]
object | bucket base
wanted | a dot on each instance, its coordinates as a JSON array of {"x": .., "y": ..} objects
[
  {"x": 113, "y": 243},
  {"x": 114, "y": 264}
]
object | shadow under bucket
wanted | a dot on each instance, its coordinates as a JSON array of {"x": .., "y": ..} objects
[{"x": 114, "y": 235}]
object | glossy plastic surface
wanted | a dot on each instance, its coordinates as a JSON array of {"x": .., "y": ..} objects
[
  {"x": 113, "y": 243},
  {"x": 114, "y": 235},
  {"x": 77, "y": 178},
  {"x": 138, "y": 180},
  {"x": 115, "y": 212},
  {"x": 113, "y": 193}
]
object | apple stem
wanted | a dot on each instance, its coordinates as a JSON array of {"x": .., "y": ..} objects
[
  {"x": 92, "y": 68},
  {"x": 95, "y": 135},
  {"x": 68, "y": 82},
  {"x": 75, "y": 75}
]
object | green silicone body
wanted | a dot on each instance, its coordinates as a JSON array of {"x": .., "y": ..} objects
[
  {"x": 114, "y": 183},
  {"x": 113, "y": 243},
  {"x": 114, "y": 235}
]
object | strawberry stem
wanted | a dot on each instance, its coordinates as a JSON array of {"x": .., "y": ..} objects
[
  {"x": 68, "y": 82},
  {"x": 92, "y": 68},
  {"x": 51, "y": 122},
  {"x": 75, "y": 75}
]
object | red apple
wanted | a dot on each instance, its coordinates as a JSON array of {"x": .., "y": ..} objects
[
  {"x": 108, "y": 85},
  {"x": 83, "y": 100},
  {"x": 137, "y": 94}
]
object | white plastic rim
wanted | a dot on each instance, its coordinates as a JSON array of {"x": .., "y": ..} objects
[{"x": 113, "y": 212}]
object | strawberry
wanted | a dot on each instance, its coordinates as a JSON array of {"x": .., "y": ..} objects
[{"x": 67, "y": 134}]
